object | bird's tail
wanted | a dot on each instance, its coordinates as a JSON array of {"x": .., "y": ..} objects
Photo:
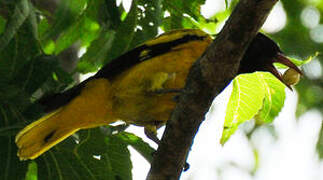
[
  {"x": 91, "y": 108},
  {"x": 41, "y": 135}
]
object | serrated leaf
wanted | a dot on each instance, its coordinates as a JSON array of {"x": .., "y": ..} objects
[
  {"x": 245, "y": 101},
  {"x": 119, "y": 157},
  {"x": 96, "y": 156},
  {"x": 259, "y": 95},
  {"x": 274, "y": 98}
]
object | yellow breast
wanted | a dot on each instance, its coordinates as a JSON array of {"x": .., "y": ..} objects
[{"x": 138, "y": 92}]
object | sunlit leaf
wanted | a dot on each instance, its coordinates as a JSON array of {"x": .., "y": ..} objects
[
  {"x": 274, "y": 98},
  {"x": 84, "y": 29},
  {"x": 259, "y": 95},
  {"x": 245, "y": 101}
]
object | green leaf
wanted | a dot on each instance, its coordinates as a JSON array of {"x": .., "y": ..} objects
[
  {"x": 43, "y": 26},
  {"x": 32, "y": 19},
  {"x": 90, "y": 31},
  {"x": 124, "y": 34},
  {"x": 119, "y": 157},
  {"x": 245, "y": 101},
  {"x": 2, "y": 24},
  {"x": 190, "y": 7},
  {"x": 274, "y": 98},
  {"x": 10, "y": 166},
  {"x": 35, "y": 72},
  {"x": 96, "y": 156},
  {"x": 226, "y": 4},
  {"x": 32, "y": 171},
  {"x": 105, "y": 12},
  {"x": 10, "y": 130},
  {"x": 68, "y": 37},
  {"x": 139, "y": 145},
  {"x": 21, "y": 13},
  {"x": 66, "y": 15},
  {"x": 16, "y": 69},
  {"x": 84, "y": 28},
  {"x": 21, "y": 49},
  {"x": 179, "y": 8},
  {"x": 259, "y": 95},
  {"x": 109, "y": 44},
  {"x": 95, "y": 54},
  {"x": 319, "y": 145},
  {"x": 186, "y": 22},
  {"x": 149, "y": 19}
]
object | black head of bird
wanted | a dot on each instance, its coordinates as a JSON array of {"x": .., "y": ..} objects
[{"x": 260, "y": 56}]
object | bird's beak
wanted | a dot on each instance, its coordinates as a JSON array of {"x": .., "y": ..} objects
[{"x": 280, "y": 58}]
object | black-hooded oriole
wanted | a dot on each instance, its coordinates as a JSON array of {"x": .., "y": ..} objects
[{"x": 138, "y": 87}]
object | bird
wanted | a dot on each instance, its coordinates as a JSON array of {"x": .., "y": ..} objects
[{"x": 138, "y": 87}]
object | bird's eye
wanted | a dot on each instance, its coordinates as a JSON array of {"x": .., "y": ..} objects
[{"x": 291, "y": 76}]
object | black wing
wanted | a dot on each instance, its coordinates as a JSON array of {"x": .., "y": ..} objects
[
  {"x": 136, "y": 56},
  {"x": 114, "y": 68}
]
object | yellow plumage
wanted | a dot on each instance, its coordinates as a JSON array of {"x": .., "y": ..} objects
[{"x": 135, "y": 95}]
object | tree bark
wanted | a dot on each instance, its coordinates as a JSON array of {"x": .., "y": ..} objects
[{"x": 209, "y": 75}]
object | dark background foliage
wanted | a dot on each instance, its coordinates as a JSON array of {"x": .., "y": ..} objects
[{"x": 40, "y": 45}]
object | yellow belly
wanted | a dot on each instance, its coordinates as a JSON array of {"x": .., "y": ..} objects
[{"x": 137, "y": 98}]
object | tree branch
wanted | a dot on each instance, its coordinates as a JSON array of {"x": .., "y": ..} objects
[{"x": 209, "y": 75}]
